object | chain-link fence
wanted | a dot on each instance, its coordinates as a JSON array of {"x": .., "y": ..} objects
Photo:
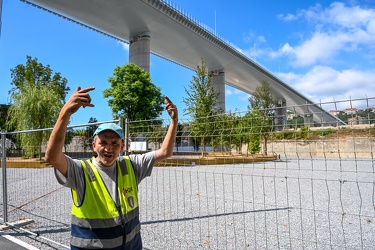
[{"x": 314, "y": 189}]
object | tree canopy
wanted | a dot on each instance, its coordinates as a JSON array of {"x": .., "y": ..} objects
[
  {"x": 35, "y": 73},
  {"x": 133, "y": 94},
  {"x": 36, "y": 99},
  {"x": 201, "y": 100},
  {"x": 262, "y": 112},
  {"x": 263, "y": 100},
  {"x": 201, "y": 103},
  {"x": 3, "y": 115}
]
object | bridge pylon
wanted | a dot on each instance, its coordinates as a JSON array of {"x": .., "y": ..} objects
[
  {"x": 139, "y": 50},
  {"x": 218, "y": 82}
]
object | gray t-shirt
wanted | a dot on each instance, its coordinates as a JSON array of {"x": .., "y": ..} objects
[{"x": 142, "y": 165}]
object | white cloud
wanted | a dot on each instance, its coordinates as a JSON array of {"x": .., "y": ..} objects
[
  {"x": 338, "y": 28},
  {"x": 252, "y": 37},
  {"x": 327, "y": 83},
  {"x": 248, "y": 37},
  {"x": 125, "y": 46},
  {"x": 289, "y": 77},
  {"x": 256, "y": 41},
  {"x": 335, "y": 57},
  {"x": 371, "y": 27},
  {"x": 347, "y": 17},
  {"x": 288, "y": 17},
  {"x": 321, "y": 47},
  {"x": 228, "y": 92}
]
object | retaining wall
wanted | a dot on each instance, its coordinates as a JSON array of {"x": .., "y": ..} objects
[{"x": 343, "y": 148}]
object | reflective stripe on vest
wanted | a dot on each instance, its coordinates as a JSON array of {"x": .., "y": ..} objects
[{"x": 97, "y": 223}]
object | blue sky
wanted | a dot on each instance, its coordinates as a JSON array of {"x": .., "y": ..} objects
[{"x": 324, "y": 49}]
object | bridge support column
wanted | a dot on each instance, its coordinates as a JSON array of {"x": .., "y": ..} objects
[
  {"x": 281, "y": 118},
  {"x": 218, "y": 82},
  {"x": 139, "y": 51},
  {"x": 308, "y": 119}
]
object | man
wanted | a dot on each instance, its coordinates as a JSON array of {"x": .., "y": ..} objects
[{"x": 105, "y": 212}]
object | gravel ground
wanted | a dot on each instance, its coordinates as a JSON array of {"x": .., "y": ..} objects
[{"x": 287, "y": 204}]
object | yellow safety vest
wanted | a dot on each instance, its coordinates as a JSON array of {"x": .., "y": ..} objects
[{"x": 98, "y": 222}]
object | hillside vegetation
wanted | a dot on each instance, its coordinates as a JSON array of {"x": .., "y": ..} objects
[{"x": 342, "y": 132}]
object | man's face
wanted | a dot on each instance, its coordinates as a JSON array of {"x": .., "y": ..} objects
[{"x": 108, "y": 146}]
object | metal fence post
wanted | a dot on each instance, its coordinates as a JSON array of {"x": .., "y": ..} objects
[
  {"x": 126, "y": 136},
  {"x": 4, "y": 172}
]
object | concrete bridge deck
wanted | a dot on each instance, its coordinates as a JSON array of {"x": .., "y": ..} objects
[{"x": 180, "y": 39}]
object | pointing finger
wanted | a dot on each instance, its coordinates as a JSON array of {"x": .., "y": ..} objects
[
  {"x": 85, "y": 97},
  {"x": 85, "y": 90},
  {"x": 167, "y": 100}
]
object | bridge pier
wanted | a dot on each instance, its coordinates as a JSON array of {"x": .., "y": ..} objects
[
  {"x": 139, "y": 50},
  {"x": 308, "y": 119},
  {"x": 218, "y": 82},
  {"x": 281, "y": 118},
  {"x": 139, "y": 54}
]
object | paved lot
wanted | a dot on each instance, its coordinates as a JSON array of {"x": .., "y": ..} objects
[
  {"x": 287, "y": 204},
  {"x": 11, "y": 243}
]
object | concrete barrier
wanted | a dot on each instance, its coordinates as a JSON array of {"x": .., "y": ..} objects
[{"x": 340, "y": 148}]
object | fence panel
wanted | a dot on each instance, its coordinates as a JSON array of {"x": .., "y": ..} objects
[
  {"x": 314, "y": 189},
  {"x": 33, "y": 192},
  {"x": 292, "y": 204}
]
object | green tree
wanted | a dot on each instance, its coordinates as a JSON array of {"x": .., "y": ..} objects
[
  {"x": 296, "y": 122},
  {"x": 344, "y": 116},
  {"x": 88, "y": 134},
  {"x": 91, "y": 129},
  {"x": 3, "y": 115},
  {"x": 254, "y": 124},
  {"x": 37, "y": 107},
  {"x": 305, "y": 132},
  {"x": 152, "y": 133},
  {"x": 35, "y": 73},
  {"x": 3, "y": 118},
  {"x": 133, "y": 94},
  {"x": 179, "y": 134},
  {"x": 228, "y": 132},
  {"x": 36, "y": 98},
  {"x": 68, "y": 137},
  {"x": 85, "y": 134},
  {"x": 263, "y": 104},
  {"x": 201, "y": 103},
  {"x": 240, "y": 132}
]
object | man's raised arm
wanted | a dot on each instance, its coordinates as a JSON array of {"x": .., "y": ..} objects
[
  {"x": 167, "y": 146},
  {"x": 54, "y": 154}
]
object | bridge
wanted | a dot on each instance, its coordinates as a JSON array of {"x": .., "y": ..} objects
[{"x": 154, "y": 26}]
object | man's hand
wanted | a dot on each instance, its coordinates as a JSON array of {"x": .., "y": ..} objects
[
  {"x": 171, "y": 108},
  {"x": 80, "y": 98},
  {"x": 166, "y": 149}
]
